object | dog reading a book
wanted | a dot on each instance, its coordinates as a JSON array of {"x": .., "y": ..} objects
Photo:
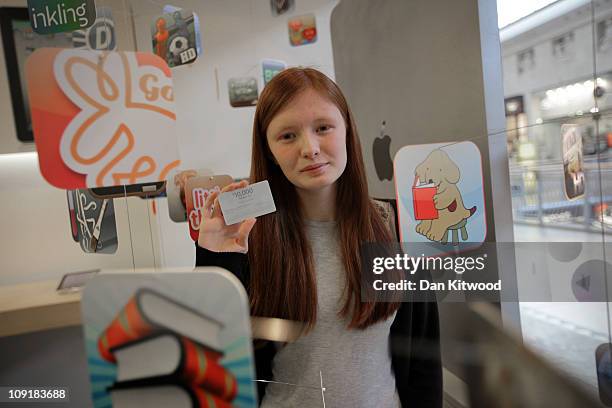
[{"x": 438, "y": 204}]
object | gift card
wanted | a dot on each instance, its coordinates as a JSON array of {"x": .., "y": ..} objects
[
  {"x": 191, "y": 328},
  {"x": 95, "y": 217},
  {"x": 242, "y": 91},
  {"x": 53, "y": 16},
  {"x": 573, "y": 164},
  {"x": 302, "y": 30},
  {"x": 102, "y": 119},
  {"x": 271, "y": 68},
  {"x": 279, "y": 7},
  {"x": 175, "y": 192},
  {"x": 174, "y": 35},
  {"x": 251, "y": 201},
  {"x": 440, "y": 195},
  {"x": 197, "y": 190},
  {"x": 100, "y": 35}
]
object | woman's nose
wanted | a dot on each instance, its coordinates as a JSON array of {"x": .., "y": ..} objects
[{"x": 310, "y": 146}]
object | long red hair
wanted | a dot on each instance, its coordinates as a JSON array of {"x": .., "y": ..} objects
[{"x": 283, "y": 282}]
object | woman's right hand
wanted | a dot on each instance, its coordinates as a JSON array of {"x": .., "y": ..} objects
[{"x": 215, "y": 235}]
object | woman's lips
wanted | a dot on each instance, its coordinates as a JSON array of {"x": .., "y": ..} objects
[{"x": 315, "y": 168}]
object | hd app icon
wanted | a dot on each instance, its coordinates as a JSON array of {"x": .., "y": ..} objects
[{"x": 175, "y": 36}]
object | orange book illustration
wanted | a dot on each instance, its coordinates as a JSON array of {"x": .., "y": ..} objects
[
  {"x": 174, "y": 358},
  {"x": 148, "y": 312}
]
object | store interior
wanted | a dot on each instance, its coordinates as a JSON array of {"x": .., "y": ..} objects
[{"x": 414, "y": 73}]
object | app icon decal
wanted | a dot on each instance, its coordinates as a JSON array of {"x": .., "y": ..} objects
[
  {"x": 175, "y": 190},
  {"x": 97, "y": 228},
  {"x": 129, "y": 318},
  {"x": 101, "y": 119},
  {"x": 270, "y": 68},
  {"x": 242, "y": 91},
  {"x": 54, "y": 16},
  {"x": 440, "y": 195},
  {"x": 174, "y": 35},
  {"x": 197, "y": 190},
  {"x": 302, "y": 30},
  {"x": 573, "y": 163},
  {"x": 100, "y": 35},
  {"x": 168, "y": 9},
  {"x": 279, "y": 7}
]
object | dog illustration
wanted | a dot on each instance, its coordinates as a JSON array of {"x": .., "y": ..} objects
[{"x": 439, "y": 169}]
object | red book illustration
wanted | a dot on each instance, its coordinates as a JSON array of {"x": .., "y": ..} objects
[
  {"x": 129, "y": 395},
  {"x": 148, "y": 312},
  {"x": 422, "y": 201},
  {"x": 173, "y": 358}
]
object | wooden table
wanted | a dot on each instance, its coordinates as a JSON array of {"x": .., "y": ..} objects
[
  {"x": 32, "y": 307},
  {"x": 37, "y": 306}
]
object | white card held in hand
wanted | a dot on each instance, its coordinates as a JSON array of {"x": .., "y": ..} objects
[{"x": 249, "y": 202}]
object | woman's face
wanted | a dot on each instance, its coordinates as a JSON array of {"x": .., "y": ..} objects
[{"x": 308, "y": 141}]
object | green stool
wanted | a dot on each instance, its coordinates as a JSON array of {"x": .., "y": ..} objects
[{"x": 460, "y": 226}]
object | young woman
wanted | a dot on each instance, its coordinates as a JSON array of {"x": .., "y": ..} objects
[{"x": 302, "y": 262}]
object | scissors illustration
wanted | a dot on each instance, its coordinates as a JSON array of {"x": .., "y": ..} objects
[
  {"x": 95, "y": 236},
  {"x": 84, "y": 222}
]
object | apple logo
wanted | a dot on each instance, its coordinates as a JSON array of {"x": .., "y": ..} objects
[{"x": 382, "y": 155}]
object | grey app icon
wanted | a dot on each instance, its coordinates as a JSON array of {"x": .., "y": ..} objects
[
  {"x": 100, "y": 35},
  {"x": 95, "y": 220},
  {"x": 242, "y": 91}
]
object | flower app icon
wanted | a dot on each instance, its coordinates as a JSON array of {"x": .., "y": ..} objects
[{"x": 102, "y": 118}]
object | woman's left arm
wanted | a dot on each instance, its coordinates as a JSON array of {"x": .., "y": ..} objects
[{"x": 415, "y": 355}]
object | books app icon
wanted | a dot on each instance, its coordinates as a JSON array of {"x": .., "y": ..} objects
[
  {"x": 440, "y": 195},
  {"x": 178, "y": 339}
]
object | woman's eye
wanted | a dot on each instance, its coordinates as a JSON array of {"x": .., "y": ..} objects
[
  {"x": 323, "y": 129},
  {"x": 287, "y": 136}
]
